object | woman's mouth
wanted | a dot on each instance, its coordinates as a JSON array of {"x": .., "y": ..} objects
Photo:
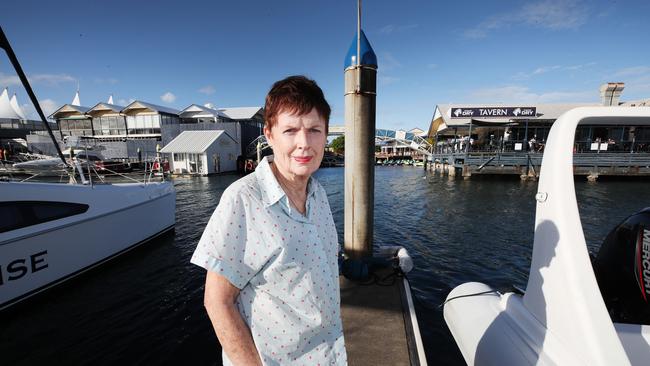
[{"x": 303, "y": 159}]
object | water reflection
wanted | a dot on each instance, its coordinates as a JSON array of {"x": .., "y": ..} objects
[{"x": 146, "y": 307}]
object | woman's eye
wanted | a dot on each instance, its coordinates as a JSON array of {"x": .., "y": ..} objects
[
  {"x": 315, "y": 130},
  {"x": 290, "y": 130}
]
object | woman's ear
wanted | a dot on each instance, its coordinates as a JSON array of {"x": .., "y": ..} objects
[{"x": 267, "y": 134}]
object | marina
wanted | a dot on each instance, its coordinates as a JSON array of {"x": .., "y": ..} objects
[
  {"x": 145, "y": 302},
  {"x": 334, "y": 230}
]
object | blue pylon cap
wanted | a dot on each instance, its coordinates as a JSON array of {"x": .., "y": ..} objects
[{"x": 368, "y": 56}]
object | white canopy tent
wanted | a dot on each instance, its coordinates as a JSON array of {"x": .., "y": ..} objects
[
  {"x": 16, "y": 107},
  {"x": 7, "y": 111}
]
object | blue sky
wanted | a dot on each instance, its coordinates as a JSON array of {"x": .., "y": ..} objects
[{"x": 230, "y": 52}]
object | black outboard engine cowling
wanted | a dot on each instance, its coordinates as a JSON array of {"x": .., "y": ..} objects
[{"x": 622, "y": 270}]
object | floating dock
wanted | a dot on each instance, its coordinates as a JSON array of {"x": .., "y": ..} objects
[
  {"x": 527, "y": 165},
  {"x": 379, "y": 323}
]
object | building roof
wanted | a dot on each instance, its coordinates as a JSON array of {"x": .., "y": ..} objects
[
  {"x": 152, "y": 107},
  {"x": 69, "y": 108},
  {"x": 241, "y": 112},
  {"x": 197, "y": 111},
  {"x": 105, "y": 107},
  {"x": 6, "y": 109},
  {"x": 194, "y": 141}
]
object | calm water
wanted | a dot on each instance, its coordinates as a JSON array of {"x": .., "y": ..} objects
[{"x": 146, "y": 307}]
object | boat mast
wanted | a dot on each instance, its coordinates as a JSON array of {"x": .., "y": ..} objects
[{"x": 4, "y": 44}]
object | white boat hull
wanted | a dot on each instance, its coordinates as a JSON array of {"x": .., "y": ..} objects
[
  {"x": 562, "y": 318},
  {"x": 119, "y": 218}
]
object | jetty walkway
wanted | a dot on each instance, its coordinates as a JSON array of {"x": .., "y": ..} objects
[{"x": 527, "y": 164}]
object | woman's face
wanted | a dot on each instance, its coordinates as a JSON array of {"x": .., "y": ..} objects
[{"x": 298, "y": 143}]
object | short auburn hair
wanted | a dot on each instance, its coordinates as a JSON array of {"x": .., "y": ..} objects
[{"x": 295, "y": 95}]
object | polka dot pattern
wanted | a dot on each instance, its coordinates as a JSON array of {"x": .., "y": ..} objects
[{"x": 284, "y": 263}]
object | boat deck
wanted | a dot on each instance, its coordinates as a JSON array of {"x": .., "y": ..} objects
[{"x": 377, "y": 324}]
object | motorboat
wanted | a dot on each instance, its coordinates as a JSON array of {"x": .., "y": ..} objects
[
  {"x": 563, "y": 316},
  {"x": 52, "y": 232},
  {"x": 54, "y": 165}
]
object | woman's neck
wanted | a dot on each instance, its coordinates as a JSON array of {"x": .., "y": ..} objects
[
  {"x": 295, "y": 187},
  {"x": 293, "y": 182}
]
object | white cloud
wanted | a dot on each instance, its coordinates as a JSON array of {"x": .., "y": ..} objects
[
  {"x": 546, "y": 14},
  {"x": 521, "y": 94},
  {"x": 51, "y": 79},
  {"x": 168, "y": 97},
  {"x": 207, "y": 90},
  {"x": 579, "y": 67},
  {"x": 392, "y": 28},
  {"x": 389, "y": 62},
  {"x": 633, "y": 71},
  {"x": 47, "y": 105},
  {"x": 546, "y": 69},
  {"x": 8, "y": 80},
  {"x": 387, "y": 80},
  {"x": 47, "y": 79},
  {"x": 555, "y": 14},
  {"x": 110, "y": 81}
]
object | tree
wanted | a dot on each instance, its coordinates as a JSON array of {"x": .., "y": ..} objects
[{"x": 338, "y": 145}]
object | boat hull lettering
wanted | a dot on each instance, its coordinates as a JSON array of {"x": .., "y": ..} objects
[{"x": 19, "y": 268}]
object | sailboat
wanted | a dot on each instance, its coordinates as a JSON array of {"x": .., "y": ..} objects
[{"x": 52, "y": 232}]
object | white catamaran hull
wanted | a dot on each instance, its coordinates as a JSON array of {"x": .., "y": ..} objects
[{"x": 119, "y": 217}]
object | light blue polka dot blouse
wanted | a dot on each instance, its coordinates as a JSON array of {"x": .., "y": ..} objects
[{"x": 285, "y": 265}]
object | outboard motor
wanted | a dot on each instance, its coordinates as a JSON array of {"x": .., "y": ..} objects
[{"x": 622, "y": 270}]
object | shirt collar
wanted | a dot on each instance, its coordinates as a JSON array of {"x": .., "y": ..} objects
[{"x": 271, "y": 190}]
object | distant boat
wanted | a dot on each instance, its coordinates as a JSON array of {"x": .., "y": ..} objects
[
  {"x": 332, "y": 161},
  {"x": 54, "y": 166}
]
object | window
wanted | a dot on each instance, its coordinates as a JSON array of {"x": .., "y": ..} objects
[{"x": 19, "y": 214}]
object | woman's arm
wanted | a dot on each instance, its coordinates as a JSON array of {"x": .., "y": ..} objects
[{"x": 234, "y": 335}]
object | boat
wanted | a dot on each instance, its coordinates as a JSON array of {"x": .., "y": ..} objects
[
  {"x": 52, "y": 232},
  {"x": 90, "y": 160},
  {"x": 54, "y": 166},
  {"x": 561, "y": 317}
]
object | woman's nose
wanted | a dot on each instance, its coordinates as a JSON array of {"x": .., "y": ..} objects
[{"x": 301, "y": 138}]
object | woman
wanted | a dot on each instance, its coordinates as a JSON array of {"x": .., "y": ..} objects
[{"x": 271, "y": 248}]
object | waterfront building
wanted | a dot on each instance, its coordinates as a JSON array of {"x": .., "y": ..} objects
[
  {"x": 510, "y": 139},
  {"x": 107, "y": 121},
  {"x": 202, "y": 152},
  {"x": 525, "y": 127},
  {"x": 73, "y": 121},
  {"x": 144, "y": 120},
  {"x": 243, "y": 124},
  {"x": 138, "y": 131},
  {"x": 401, "y": 145}
]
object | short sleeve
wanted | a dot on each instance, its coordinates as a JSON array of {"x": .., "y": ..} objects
[{"x": 227, "y": 247}]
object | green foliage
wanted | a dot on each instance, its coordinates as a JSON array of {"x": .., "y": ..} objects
[{"x": 338, "y": 145}]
